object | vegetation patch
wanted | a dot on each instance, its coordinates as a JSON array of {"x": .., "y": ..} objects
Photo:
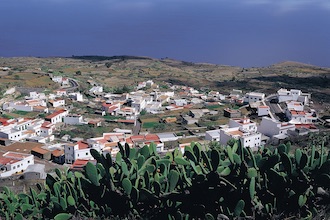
[
  {"x": 112, "y": 117},
  {"x": 18, "y": 112},
  {"x": 148, "y": 125},
  {"x": 213, "y": 107}
]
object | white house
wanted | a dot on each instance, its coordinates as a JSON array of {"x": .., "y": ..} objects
[
  {"x": 212, "y": 135},
  {"x": 57, "y": 79},
  {"x": 13, "y": 162},
  {"x": 96, "y": 89},
  {"x": 73, "y": 119},
  {"x": 57, "y": 116},
  {"x": 166, "y": 137},
  {"x": 79, "y": 150},
  {"x": 11, "y": 134},
  {"x": 244, "y": 123},
  {"x": 57, "y": 102},
  {"x": 180, "y": 102},
  {"x": 139, "y": 104},
  {"x": 36, "y": 95},
  {"x": 61, "y": 92},
  {"x": 127, "y": 111},
  {"x": 263, "y": 110},
  {"x": 247, "y": 138},
  {"x": 271, "y": 127},
  {"x": 294, "y": 105},
  {"x": 284, "y": 95},
  {"x": 153, "y": 107},
  {"x": 300, "y": 117},
  {"x": 76, "y": 96},
  {"x": 65, "y": 82},
  {"x": 254, "y": 97}
]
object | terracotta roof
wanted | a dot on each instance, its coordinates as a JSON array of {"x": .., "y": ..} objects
[
  {"x": 151, "y": 137},
  {"x": 297, "y": 112},
  {"x": 79, "y": 164},
  {"x": 236, "y": 133},
  {"x": 82, "y": 145},
  {"x": 57, "y": 153},
  {"x": 46, "y": 124},
  {"x": 16, "y": 155},
  {"x": 55, "y": 114},
  {"x": 4, "y": 160},
  {"x": 40, "y": 150},
  {"x": 24, "y": 147},
  {"x": 4, "y": 121}
]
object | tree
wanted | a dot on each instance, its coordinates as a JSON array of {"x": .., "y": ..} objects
[
  {"x": 143, "y": 112},
  {"x": 78, "y": 72}
]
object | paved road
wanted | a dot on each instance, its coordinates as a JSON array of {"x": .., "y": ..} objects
[
  {"x": 137, "y": 127},
  {"x": 73, "y": 85},
  {"x": 275, "y": 109}
]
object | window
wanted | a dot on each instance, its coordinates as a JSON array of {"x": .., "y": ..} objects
[
  {"x": 86, "y": 153},
  {"x": 14, "y": 167},
  {"x": 28, "y": 161}
]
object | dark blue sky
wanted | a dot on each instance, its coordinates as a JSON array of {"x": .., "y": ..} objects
[{"x": 236, "y": 32}]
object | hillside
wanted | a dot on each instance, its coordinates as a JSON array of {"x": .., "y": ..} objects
[{"x": 117, "y": 71}]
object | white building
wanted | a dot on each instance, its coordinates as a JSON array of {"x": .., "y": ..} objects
[
  {"x": 11, "y": 134},
  {"x": 180, "y": 102},
  {"x": 61, "y": 92},
  {"x": 57, "y": 79},
  {"x": 212, "y": 135},
  {"x": 294, "y": 105},
  {"x": 47, "y": 129},
  {"x": 139, "y": 104},
  {"x": 57, "y": 116},
  {"x": 36, "y": 95},
  {"x": 271, "y": 127},
  {"x": 166, "y": 137},
  {"x": 73, "y": 119},
  {"x": 247, "y": 139},
  {"x": 96, "y": 89},
  {"x": 263, "y": 110},
  {"x": 57, "y": 102},
  {"x": 76, "y": 96},
  {"x": 254, "y": 97},
  {"x": 153, "y": 107},
  {"x": 244, "y": 123},
  {"x": 13, "y": 162},
  {"x": 27, "y": 105},
  {"x": 293, "y": 95},
  {"x": 300, "y": 117},
  {"x": 127, "y": 111},
  {"x": 79, "y": 150}
]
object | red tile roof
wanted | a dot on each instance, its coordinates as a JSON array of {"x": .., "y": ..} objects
[
  {"x": 82, "y": 145},
  {"x": 46, "y": 124},
  {"x": 57, "y": 153},
  {"x": 55, "y": 114},
  {"x": 4, "y": 160},
  {"x": 4, "y": 121},
  {"x": 40, "y": 150}
]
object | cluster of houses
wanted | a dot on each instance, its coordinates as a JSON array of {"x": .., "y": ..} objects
[
  {"x": 299, "y": 120},
  {"x": 130, "y": 106}
]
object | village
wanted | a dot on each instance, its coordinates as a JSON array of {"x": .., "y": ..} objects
[{"x": 40, "y": 130}]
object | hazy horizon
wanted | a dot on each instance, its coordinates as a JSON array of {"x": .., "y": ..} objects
[{"x": 237, "y": 33}]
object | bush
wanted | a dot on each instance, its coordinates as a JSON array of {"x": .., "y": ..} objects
[{"x": 223, "y": 182}]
